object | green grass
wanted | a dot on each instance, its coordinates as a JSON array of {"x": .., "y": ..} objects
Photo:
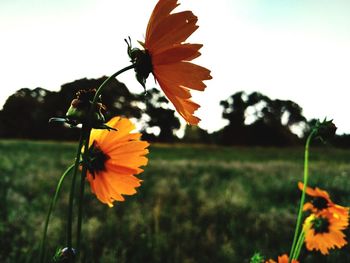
[{"x": 197, "y": 204}]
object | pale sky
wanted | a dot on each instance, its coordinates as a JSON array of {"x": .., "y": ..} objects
[{"x": 286, "y": 49}]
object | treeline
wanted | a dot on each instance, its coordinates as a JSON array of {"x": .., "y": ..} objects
[{"x": 253, "y": 119}]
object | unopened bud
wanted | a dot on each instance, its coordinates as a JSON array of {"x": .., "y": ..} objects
[
  {"x": 325, "y": 130},
  {"x": 80, "y": 107}
]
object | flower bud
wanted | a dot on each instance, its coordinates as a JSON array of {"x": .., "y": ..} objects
[
  {"x": 325, "y": 130},
  {"x": 80, "y": 107}
]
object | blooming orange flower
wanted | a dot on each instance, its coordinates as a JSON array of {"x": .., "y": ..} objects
[
  {"x": 167, "y": 57},
  {"x": 114, "y": 158},
  {"x": 282, "y": 259},
  {"x": 321, "y": 202},
  {"x": 323, "y": 232}
]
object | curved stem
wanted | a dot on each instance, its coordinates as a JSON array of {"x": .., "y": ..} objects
[
  {"x": 52, "y": 205},
  {"x": 101, "y": 87},
  {"x": 86, "y": 147},
  {"x": 302, "y": 199},
  {"x": 71, "y": 194}
]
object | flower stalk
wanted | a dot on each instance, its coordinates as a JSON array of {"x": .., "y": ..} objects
[
  {"x": 71, "y": 193},
  {"x": 52, "y": 205},
  {"x": 84, "y": 140},
  {"x": 302, "y": 199}
]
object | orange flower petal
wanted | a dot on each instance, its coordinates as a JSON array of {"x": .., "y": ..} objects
[
  {"x": 125, "y": 154},
  {"x": 183, "y": 24},
  {"x": 325, "y": 241},
  {"x": 160, "y": 11},
  {"x": 183, "y": 73},
  {"x": 184, "y": 107},
  {"x": 164, "y": 39},
  {"x": 176, "y": 53}
]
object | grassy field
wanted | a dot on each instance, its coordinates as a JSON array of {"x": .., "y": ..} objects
[{"x": 197, "y": 204}]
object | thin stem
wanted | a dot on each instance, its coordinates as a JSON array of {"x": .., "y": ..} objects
[
  {"x": 299, "y": 245},
  {"x": 71, "y": 194},
  {"x": 52, "y": 205},
  {"x": 81, "y": 193},
  {"x": 302, "y": 199},
  {"x": 100, "y": 89},
  {"x": 86, "y": 147}
]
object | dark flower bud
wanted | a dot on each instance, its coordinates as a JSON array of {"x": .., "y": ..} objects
[
  {"x": 325, "y": 130},
  {"x": 80, "y": 108}
]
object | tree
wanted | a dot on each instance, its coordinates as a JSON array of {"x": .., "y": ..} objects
[
  {"x": 26, "y": 113},
  {"x": 23, "y": 115},
  {"x": 115, "y": 96},
  {"x": 159, "y": 115},
  {"x": 255, "y": 119}
]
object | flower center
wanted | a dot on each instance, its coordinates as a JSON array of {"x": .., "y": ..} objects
[
  {"x": 320, "y": 225},
  {"x": 96, "y": 159},
  {"x": 320, "y": 203}
]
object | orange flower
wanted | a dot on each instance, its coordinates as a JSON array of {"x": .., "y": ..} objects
[
  {"x": 323, "y": 232},
  {"x": 322, "y": 202},
  {"x": 167, "y": 57},
  {"x": 114, "y": 158},
  {"x": 282, "y": 259}
]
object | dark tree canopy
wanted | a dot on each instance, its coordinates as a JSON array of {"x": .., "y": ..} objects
[
  {"x": 26, "y": 113},
  {"x": 159, "y": 115},
  {"x": 255, "y": 119}
]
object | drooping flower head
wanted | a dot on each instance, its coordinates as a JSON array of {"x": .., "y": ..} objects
[
  {"x": 321, "y": 202},
  {"x": 324, "y": 232},
  {"x": 282, "y": 259},
  {"x": 114, "y": 157},
  {"x": 168, "y": 58}
]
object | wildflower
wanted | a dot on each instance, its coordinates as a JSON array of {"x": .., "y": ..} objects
[
  {"x": 282, "y": 259},
  {"x": 167, "y": 57},
  {"x": 114, "y": 157},
  {"x": 321, "y": 202},
  {"x": 323, "y": 232}
]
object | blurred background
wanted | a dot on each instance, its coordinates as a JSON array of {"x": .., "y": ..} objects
[{"x": 215, "y": 193}]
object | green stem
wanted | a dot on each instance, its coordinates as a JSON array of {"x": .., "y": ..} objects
[
  {"x": 81, "y": 193},
  {"x": 86, "y": 147},
  {"x": 298, "y": 245},
  {"x": 302, "y": 199},
  {"x": 52, "y": 205},
  {"x": 71, "y": 194},
  {"x": 100, "y": 89}
]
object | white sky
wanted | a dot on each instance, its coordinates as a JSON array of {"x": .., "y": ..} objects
[{"x": 286, "y": 49}]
